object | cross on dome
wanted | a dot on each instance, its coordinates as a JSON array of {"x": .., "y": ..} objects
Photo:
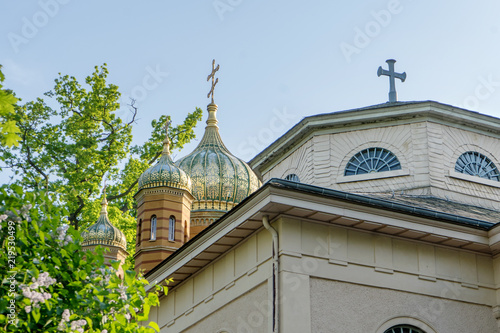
[{"x": 212, "y": 76}]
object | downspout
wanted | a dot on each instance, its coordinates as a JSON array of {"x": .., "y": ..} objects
[{"x": 274, "y": 234}]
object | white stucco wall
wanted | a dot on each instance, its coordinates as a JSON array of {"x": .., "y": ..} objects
[
  {"x": 340, "y": 307},
  {"x": 248, "y": 313},
  {"x": 221, "y": 289}
]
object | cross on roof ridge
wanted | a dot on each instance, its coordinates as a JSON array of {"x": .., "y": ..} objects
[{"x": 393, "y": 96}]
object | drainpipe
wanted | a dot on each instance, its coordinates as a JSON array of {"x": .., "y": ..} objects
[{"x": 276, "y": 313}]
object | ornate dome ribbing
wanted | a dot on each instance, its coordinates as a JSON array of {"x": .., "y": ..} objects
[
  {"x": 103, "y": 232},
  {"x": 220, "y": 179},
  {"x": 165, "y": 173}
]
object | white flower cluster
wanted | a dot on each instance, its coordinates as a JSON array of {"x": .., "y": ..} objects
[
  {"x": 62, "y": 237},
  {"x": 122, "y": 290},
  {"x": 30, "y": 292},
  {"x": 75, "y": 325},
  {"x": 15, "y": 215},
  {"x": 105, "y": 273},
  {"x": 12, "y": 216},
  {"x": 25, "y": 211}
]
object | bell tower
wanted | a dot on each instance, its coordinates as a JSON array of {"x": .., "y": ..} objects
[{"x": 163, "y": 210}]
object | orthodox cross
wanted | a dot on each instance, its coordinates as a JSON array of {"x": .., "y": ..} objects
[
  {"x": 212, "y": 75},
  {"x": 393, "y": 96}
]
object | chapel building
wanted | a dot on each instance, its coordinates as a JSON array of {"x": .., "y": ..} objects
[{"x": 382, "y": 219}]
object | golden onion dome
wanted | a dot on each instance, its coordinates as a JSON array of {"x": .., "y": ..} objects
[
  {"x": 103, "y": 232},
  {"x": 165, "y": 172},
  {"x": 220, "y": 180}
]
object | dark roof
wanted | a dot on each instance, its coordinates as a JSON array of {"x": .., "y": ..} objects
[
  {"x": 441, "y": 205},
  {"x": 436, "y": 212}
]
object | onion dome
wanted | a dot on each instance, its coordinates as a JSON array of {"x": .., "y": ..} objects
[
  {"x": 165, "y": 172},
  {"x": 220, "y": 180},
  {"x": 103, "y": 232}
]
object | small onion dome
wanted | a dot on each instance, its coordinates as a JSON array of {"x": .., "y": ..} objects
[
  {"x": 165, "y": 173},
  {"x": 103, "y": 232},
  {"x": 218, "y": 176}
]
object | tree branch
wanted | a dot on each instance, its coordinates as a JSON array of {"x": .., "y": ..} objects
[
  {"x": 30, "y": 162},
  {"x": 131, "y": 187},
  {"x": 72, "y": 217},
  {"x": 132, "y": 105}
]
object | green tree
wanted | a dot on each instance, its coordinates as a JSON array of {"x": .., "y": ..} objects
[
  {"x": 8, "y": 128},
  {"x": 70, "y": 148},
  {"x": 50, "y": 285}
]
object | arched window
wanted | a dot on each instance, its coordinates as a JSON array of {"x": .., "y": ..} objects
[
  {"x": 139, "y": 232},
  {"x": 476, "y": 164},
  {"x": 292, "y": 177},
  {"x": 171, "y": 228},
  {"x": 404, "y": 329},
  {"x": 371, "y": 160},
  {"x": 153, "y": 228}
]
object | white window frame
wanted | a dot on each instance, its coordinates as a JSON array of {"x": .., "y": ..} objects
[
  {"x": 153, "y": 228},
  {"x": 171, "y": 228}
]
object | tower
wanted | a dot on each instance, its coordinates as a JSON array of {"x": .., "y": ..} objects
[
  {"x": 105, "y": 234},
  {"x": 163, "y": 210}
]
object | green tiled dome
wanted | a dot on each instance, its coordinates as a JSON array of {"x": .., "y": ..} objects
[
  {"x": 103, "y": 232},
  {"x": 218, "y": 176},
  {"x": 165, "y": 173}
]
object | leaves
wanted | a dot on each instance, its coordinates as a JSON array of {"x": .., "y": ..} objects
[
  {"x": 154, "y": 325},
  {"x": 77, "y": 288},
  {"x": 69, "y": 149},
  {"x": 8, "y": 127}
]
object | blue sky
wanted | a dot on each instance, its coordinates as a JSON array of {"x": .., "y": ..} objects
[{"x": 279, "y": 60}]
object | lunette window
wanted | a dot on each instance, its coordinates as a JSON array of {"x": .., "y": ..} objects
[
  {"x": 476, "y": 164},
  {"x": 404, "y": 329},
  {"x": 292, "y": 177},
  {"x": 372, "y": 160}
]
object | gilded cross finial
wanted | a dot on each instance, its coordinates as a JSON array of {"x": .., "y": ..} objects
[
  {"x": 212, "y": 75},
  {"x": 393, "y": 96}
]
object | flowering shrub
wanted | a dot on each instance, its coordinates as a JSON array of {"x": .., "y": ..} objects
[{"x": 50, "y": 285}]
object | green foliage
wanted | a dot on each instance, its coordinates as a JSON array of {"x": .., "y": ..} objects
[
  {"x": 68, "y": 150},
  {"x": 50, "y": 285},
  {"x": 63, "y": 155},
  {"x": 8, "y": 128}
]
